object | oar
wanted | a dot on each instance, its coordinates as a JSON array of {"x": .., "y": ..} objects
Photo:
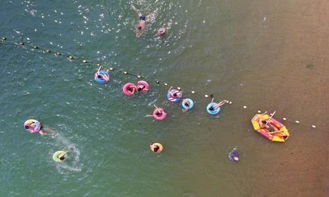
[{"x": 268, "y": 120}]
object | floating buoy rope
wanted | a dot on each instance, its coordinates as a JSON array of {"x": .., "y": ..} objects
[{"x": 27, "y": 45}]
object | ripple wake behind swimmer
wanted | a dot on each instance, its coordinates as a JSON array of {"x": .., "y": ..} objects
[{"x": 74, "y": 163}]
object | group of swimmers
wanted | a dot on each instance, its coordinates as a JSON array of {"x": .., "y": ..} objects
[
  {"x": 102, "y": 77},
  {"x": 34, "y": 126},
  {"x": 141, "y": 27}
]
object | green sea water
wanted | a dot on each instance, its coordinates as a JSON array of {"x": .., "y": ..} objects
[{"x": 265, "y": 55}]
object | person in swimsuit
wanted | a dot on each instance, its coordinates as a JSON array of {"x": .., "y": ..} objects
[
  {"x": 156, "y": 147},
  {"x": 186, "y": 103},
  {"x": 161, "y": 32},
  {"x": 140, "y": 26},
  {"x": 175, "y": 94}
]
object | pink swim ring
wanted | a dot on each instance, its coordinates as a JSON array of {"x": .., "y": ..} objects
[
  {"x": 142, "y": 86},
  {"x": 129, "y": 89},
  {"x": 159, "y": 114}
]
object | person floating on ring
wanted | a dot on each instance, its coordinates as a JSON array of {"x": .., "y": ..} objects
[
  {"x": 156, "y": 147},
  {"x": 158, "y": 113},
  {"x": 102, "y": 76},
  {"x": 129, "y": 89},
  {"x": 187, "y": 104},
  {"x": 174, "y": 95},
  {"x": 142, "y": 86},
  {"x": 214, "y": 108},
  {"x": 34, "y": 126},
  {"x": 60, "y": 156}
]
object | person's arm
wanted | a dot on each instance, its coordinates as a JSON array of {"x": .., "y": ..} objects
[
  {"x": 41, "y": 132},
  {"x": 170, "y": 88},
  {"x": 138, "y": 34},
  {"x": 148, "y": 115}
]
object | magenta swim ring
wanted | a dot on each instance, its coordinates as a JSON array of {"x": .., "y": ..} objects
[
  {"x": 129, "y": 89},
  {"x": 159, "y": 114},
  {"x": 142, "y": 86}
]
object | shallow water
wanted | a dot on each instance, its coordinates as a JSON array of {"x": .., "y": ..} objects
[{"x": 264, "y": 55}]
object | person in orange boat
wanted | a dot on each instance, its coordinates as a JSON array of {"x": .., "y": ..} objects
[{"x": 264, "y": 125}]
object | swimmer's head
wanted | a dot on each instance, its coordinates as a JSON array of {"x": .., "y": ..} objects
[
  {"x": 62, "y": 158},
  {"x": 139, "y": 27},
  {"x": 99, "y": 76},
  {"x": 162, "y": 31},
  {"x": 26, "y": 127},
  {"x": 236, "y": 158},
  {"x": 156, "y": 148}
]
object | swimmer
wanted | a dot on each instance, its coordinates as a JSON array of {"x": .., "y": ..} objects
[
  {"x": 60, "y": 156},
  {"x": 140, "y": 87},
  {"x": 132, "y": 89},
  {"x": 233, "y": 155},
  {"x": 161, "y": 32},
  {"x": 140, "y": 26},
  {"x": 186, "y": 103},
  {"x": 34, "y": 126},
  {"x": 156, "y": 147}
]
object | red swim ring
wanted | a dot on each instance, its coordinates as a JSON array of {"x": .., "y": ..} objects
[
  {"x": 142, "y": 86},
  {"x": 159, "y": 114},
  {"x": 129, "y": 89}
]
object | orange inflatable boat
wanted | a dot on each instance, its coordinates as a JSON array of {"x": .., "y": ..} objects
[{"x": 270, "y": 128}]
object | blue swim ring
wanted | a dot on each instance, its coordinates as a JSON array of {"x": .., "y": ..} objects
[
  {"x": 211, "y": 109},
  {"x": 190, "y": 104},
  {"x": 102, "y": 77}
]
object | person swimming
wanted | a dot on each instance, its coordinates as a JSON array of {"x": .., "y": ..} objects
[
  {"x": 156, "y": 147},
  {"x": 140, "y": 87},
  {"x": 140, "y": 26},
  {"x": 233, "y": 155},
  {"x": 60, "y": 156},
  {"x": 161, "y": 32}
]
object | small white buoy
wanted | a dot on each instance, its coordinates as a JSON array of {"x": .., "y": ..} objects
[
  {"x": 192, "y": 92},
  {"x": 259, "y": 111},
  {"x": 206, "y": 95},
  {"x": 165, "y": 84},
  {"x": 178, "y": 88},
  {"x": 284, "y": 118},
  {"x": 245, "y": 107},
  {"x": 313, "y": 126},
  {"x": 297, "y": 121}
]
